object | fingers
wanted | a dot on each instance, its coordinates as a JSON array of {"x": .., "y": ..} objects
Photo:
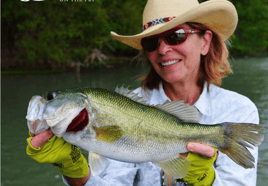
[
  {"x": 40, "y": 139},
  {"x": 202, "y": 149}
]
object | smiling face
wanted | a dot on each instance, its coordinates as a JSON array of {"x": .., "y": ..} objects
[{"x": 181, "y": 62}]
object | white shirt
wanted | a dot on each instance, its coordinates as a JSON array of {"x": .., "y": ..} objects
[{"x": 215, "y": 105}]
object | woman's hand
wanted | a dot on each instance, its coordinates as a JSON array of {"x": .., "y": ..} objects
[
  {"x": 201, "y": 149},
  {"x": 40, "y": 139},
  {"x": 47, "y": 148},
  {"x": 201, "y": 171}
]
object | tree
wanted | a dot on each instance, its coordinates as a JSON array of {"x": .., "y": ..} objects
[
  {"x": 55, "y": 33},
  {"x": 251, "y": 36}
]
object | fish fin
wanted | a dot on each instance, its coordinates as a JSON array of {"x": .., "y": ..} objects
[
  {"x": 97, "y": 163},
  {"x": 122, "y": 90},
  {"x": 108, "y": 134},
  {"x": 181, "y": 110},
  {"x": 238, "y": 136},
  {"x": 177, "y": 166},
  {"x": 130, "y": 94}
]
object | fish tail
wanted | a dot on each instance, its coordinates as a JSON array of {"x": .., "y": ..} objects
[{"x": 238, "y": 136}]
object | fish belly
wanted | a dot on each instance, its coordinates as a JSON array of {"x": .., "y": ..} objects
[{"x": 135, "y": 151}]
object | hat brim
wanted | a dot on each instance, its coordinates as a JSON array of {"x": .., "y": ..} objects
[{"x": 219, "y": 15}]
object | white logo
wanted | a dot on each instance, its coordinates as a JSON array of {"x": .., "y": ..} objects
[{"x": 29, "y": 0}]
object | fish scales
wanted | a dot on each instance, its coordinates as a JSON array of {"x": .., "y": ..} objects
[
  {"x": 120, "y": 126},
  {"x": 150, "y": 131}
]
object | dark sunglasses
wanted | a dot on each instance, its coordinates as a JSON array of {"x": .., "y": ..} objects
[{"x": 171, "y": 37}]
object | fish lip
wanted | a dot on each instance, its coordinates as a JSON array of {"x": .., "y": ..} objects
[{"x": 79, "y": 122}]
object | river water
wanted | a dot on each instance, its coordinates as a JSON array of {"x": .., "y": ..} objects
[{"x": 250, "y": 78}]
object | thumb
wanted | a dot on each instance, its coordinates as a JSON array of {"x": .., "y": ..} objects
[
  {"x": 40, "y": 139},
  {"x": 202, "y": 149}
]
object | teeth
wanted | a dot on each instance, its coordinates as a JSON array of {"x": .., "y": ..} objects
[{"x": 169, "y": 63}]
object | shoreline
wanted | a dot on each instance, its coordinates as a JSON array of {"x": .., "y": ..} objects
[
  {"x": 103, "y": 64},
  {"x": 84, "y": 68}
]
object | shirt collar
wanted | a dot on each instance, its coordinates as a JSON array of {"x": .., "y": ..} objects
[
  {"x": 158, "y": 96},
  {"x": 203, "y": 103}
]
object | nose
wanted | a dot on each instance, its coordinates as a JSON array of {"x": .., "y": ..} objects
[{"x": 163, "y": 48}]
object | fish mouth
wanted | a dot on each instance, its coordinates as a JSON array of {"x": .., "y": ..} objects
[{"x": 79, "y": 122}]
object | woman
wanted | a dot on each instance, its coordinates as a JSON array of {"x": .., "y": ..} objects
[{"x": 184, "y": 43}]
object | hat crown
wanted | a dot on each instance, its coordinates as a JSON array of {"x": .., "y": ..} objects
[{"x": 156, "y": 9}]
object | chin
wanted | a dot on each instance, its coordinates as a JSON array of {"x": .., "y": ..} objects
[{"x": 174, "y": 77}]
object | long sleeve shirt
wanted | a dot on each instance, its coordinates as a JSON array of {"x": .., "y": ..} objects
[{"x": 215, "y": 105}]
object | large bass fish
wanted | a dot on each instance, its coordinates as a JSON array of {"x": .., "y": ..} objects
[{"x": 119, "y": 125}]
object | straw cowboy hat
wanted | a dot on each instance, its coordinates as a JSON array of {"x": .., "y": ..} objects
[{"x": 162, "y": 15}]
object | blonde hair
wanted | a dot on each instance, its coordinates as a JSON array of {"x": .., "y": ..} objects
[{"x": 214, "y": 66}]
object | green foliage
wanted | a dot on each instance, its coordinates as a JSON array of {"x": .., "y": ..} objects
[
  {"x": 125, "y": 17},
  {"x": 52, "y": 33},
  {"x": 55, "y": 32},
  {"x": 251, "y": 36}
]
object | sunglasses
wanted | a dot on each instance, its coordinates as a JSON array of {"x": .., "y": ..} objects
[{"x": 174, "y": 36}]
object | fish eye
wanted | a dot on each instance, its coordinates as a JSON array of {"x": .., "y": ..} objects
[{"x": 50, "y": 95}]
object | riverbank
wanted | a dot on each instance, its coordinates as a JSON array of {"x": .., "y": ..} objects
[
  {"x": 103, "y": 64},
  {"x": 100, "y": 65}
]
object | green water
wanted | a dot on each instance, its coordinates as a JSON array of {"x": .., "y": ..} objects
[{"x": 250, "y": 78}]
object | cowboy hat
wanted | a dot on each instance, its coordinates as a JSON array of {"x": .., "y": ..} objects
[{"x": 162, "y": 15}]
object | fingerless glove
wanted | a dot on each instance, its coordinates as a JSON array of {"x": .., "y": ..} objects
[
  {"x": 67, "y": 157},
  {"x": 201, "y": 171}
]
